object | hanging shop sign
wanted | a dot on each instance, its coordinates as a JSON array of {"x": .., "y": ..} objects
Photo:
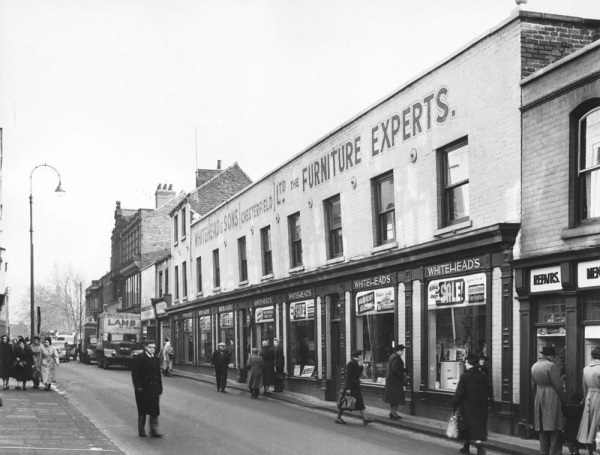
[
  {"x": 302, "y": 311},
  {"x": 375, "y": 301},
  {"x": 588, "y": 274},
  {"x": 264, "y": 314},
  {"x": 148, "y": 314},
  {"x": 204, "y": 323},
  {"x": 545, "y": 279},
  {"x": 461, "y": 290},
  {"x": 226, "y": 320},
  {"x": 160, "y": 309}
]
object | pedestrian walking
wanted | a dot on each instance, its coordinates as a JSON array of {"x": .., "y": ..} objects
[
  {"x": 166, "y": 356},
  {"x": 48, "y": 363},
  {"x": 22, "y": 366},
  {"x": 147, "y": 384},
  {"x": 471, "y": 400},
  {"x": 36, "y": 367},
  {"x": 279, "y": 366},
  {"x": 268, "y": 355},
  {"x": 220, "y": 362},
  {"x": 394, "y": 381},
  {"x": 590, "y": 420},
  {"x": 573, "y": 413},
  {"x": 353, "y": 371},
  {"x": 254, "y": 365},
  {"x": 6, "y": 361},
  {"x": 549, "y": 396}
]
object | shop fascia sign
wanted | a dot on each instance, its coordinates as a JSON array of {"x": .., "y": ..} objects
[
  {"x": 588, "y": 274},
  {"x": 461, "y": 266},
  {"x": 545, "y": 279},
  {"x": 461, "y": 290}
]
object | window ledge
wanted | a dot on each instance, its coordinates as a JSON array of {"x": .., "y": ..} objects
[
  {"x": 453, "y": 228},
  {"x": 335, "y": 260},
  {"x": 300, "y": 268},
  {"x": 267, "y": 277},
  {"x": 175, "y": 243},
  {"x": 243, "y": 283},
  {"x": 384, "y": 247},
  {"x": 199, "y": 294},
  {"x": 217, "y": 289},
  {"x": 580, "y": 231}
]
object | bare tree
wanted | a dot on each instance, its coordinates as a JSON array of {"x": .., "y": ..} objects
[
  {"x": 49, "y": 304},
  {"x": 69, "y": 288}
]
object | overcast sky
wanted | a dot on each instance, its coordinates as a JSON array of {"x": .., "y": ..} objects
[{"x": 111, "y": 93}]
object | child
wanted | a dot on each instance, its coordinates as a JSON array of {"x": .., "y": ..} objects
[{"x": 573, "y": 412}]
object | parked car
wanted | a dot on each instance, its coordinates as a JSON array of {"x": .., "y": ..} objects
[{"x": 66, "y": 345}]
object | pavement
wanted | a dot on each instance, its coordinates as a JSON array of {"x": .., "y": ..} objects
[
  {"x": 496, "y": 441},
  {"x": 38, "y": 422}
]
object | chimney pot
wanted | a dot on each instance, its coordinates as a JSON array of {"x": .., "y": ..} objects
[{"x": 218, "y": 164}]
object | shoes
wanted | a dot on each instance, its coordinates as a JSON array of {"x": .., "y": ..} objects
[
  {"x": 156, "y": 434},
  {"x": 340, "y": 421},
  {"x": 394, "y": 416},
  {"x": 464, "y": 450},
  {"x": 142, "y": 434},
  {"x": 18, "y": 388},
  {"x": 24, "y": 388},
  {"x": 368, "y": 420},
  {"x": 223, "y": 390}
]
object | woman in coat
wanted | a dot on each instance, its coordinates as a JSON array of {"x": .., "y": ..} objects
[
  {"x": 353, "y": 371},
  {"x": 49, "y": 363},
  {"x": 166, "y": 355},
  {"x": 23, "y": 363},
  {"x": 6, "y": 361},
  {"x": 591, "y": 413},
  {"x": 279, "y": 366},
  {"x": 36, "y": 355},
  {"x": 268, "y": 355},
  {"x": 471, "y": 397},
  {"x": 254, "y": 367},
  {"x": 394, "y": 382}
]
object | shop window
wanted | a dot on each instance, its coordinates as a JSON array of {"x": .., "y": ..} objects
[
  {"x": 456, "y": 327},
  {"x": 588, "y": 168},
  {"x": 264, "y": 328},
  {"x": 176, "y": 282},
  {"x": 188, "y": 340},
  {"x": 243, "y": 259},
  {"x": 265, "y": 238},
  {"x": 375, "y": 331},
  {"x": 550, "y": 317},
  {"x": 205, "y": 340},
  {"x": 175, "y": 228},
  {"x": 295, "y": 240},
  {"x": 385, "y": 213},
  {"x": 302, "y": 351},
  {"x": 216, "y": 269},
  {"x": 183, "y": 223},
  {"x": 227, "y": 334},
  {"x": 551, "y": 310},
  {"x": 591, "y": 305},
  {"x": 184, "y": 279},
  {"x": 333, "y": 215},
  {"x": 455, "y": 178},
  {"x": 199, "y": 275}
]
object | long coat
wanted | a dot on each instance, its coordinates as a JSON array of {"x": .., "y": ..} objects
[
  {"x": 549, "y": 395},
  {"x": 471, "y": 398},
  {"x": 166, "y": 356},
  {"x": 254, "y": 367},
  {"x": 353, "y": 372},
  {"x": 268, "y": 355},
  {"x": 36, "y": 355},
  {"x": 48, "y": 363},
  {"x": 6, "y": 360},
  {"x": 220, "y": 359},
  {"x": 394, "y": 381},
  {"x": 147, "y": 383},
  {"x": 590, "y": 418},
  {"x": 23, "y": 361}
]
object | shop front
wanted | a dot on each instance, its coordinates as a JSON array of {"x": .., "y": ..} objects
[{"x": 301, "y": 340}]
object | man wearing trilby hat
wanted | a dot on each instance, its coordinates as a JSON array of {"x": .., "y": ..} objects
[{"x": 549, "y": 395}]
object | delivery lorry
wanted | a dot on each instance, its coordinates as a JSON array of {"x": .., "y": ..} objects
[
  {"x": 118, "y": 335},
  {"x": 88, "y": 348}
]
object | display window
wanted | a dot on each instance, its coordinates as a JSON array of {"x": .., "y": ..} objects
[
  {"x": 456, "y": 327},
  {"x": 375, "y": 331},
  {"x": 591, "y": 305},
  {"x": 550, "y": 316},
  {"x": 227, "y": 334},
  {"x": 264, "y": 325},
  {"x": 302, "y": 350},
  {"x": 205, "y": 339},
  {"x": 188, "y": 340}
]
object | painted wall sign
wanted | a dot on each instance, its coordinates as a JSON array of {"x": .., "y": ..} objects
[
  {"x": 302, "y": 311},
  {"x": 462, "y": 290},
  {"x": 226, "y": 320},
  {"x": 370, "y": 282},
  {"x": 545, "y": 279},
  {"x": 147, "y": 314},
  {"x": 300, "y": 295},
  {"x": 376, "y": 301},
  {"x": 204, "y": 323},
  {"x": 588, "y": 274},
  {"x": 465, "y": 265},
  {"x": 265, "y": 314}
]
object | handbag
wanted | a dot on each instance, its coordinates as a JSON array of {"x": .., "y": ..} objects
[
  {"x": 452, "y": 430},
  {"x": 346, "y": 402}
]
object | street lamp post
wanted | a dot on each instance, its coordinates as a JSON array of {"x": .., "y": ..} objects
[{"x": 58, "y": 190}]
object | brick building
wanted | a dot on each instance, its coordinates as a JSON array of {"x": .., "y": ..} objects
[{"x": 400, "y": 226}]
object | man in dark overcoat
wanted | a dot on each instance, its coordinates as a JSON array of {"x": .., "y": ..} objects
[
  {"x": 147, "y": 383},
  {"x": 471, "y": 398},
  {"x": 394, "y": 381},
  {"x": 220, "y": 362},
  {"x": 549, "y": 399}
]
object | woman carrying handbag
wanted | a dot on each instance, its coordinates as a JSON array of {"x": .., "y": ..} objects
[{"x": 353, "y": 371}]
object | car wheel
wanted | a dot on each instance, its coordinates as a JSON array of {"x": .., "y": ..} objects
[{"x": 105, "y": 364}]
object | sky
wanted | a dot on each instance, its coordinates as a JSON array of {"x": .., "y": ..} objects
[{"x": 120, "y": 96}]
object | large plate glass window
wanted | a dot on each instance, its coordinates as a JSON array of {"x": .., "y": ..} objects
[
  {"x": 264, "y": 323},
  {"x": 302, "y": 352},
  {"x": 205, "y": 339},
  {"x": 227, "y": 333}
]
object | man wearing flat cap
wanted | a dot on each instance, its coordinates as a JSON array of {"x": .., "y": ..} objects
[
  {"x": 549, "y": 395},
  {"x": 220, "y": 362},
  {"x": 394, "y": 381}
]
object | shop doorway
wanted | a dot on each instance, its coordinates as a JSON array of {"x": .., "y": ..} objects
[
  {"x": 336, "y": 351},
  {"x": 550, "y": 328}
]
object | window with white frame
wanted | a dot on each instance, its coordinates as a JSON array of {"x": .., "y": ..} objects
[
  {"x": 455, "y": 177},
  {"x": 385, "y": 208}
]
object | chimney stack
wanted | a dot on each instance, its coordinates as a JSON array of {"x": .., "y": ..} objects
[
  {"x": 218, "y": 164},
  {"x": 164, "y": 193}
]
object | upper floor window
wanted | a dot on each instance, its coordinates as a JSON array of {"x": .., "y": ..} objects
[
  {"x": 265, "y": 239},
  {"x": 455, "y": 199},
  {"x": 295, "y": 240},
  {"x": 175, "y": 227},
  {"x": 184, "y": 279},
  {"x": 183, "y": 223},
  {"x": 198, "y": 275},
  {"x": 243, "y": 259},
  {"x": 160, "y": 284},
  {"x": 216, "y": 269},
  {"x": 166, "y": 281},
  {"x": 176, "y": 282},
  {"x": 333, "y": 215},
  {"x": 385, "y": 207},
  {"x": 588, "y": 170}
]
